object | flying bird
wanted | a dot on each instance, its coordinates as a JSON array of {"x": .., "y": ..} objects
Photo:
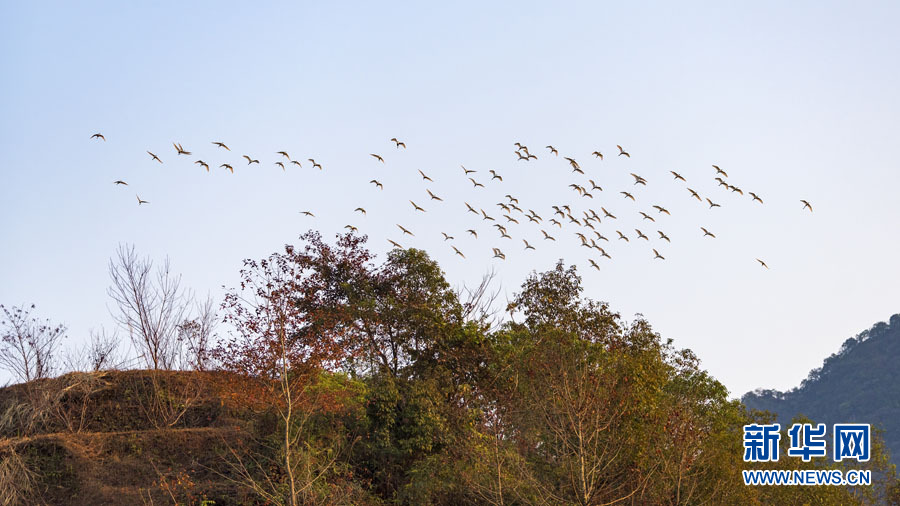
[
  {"x": 695, "y": 195},
  {"x": 476, "y": 183},
  {"x": 755, "y": 197},
  {"x": 622, "y": 236},
  {"x": 623, "y": 152},
  {"x": 376, "y": 183},
  {"x": 547, "y": 236},
  {"x": 280, "y": 165},
  {"x": 98, "y": 136},
  {"x": 315, "y": 164},
  {"x": 447, "y": 237},
  {"x": 472, "y": 232},
  {"x": 598, "y": 154},
  {"x": 416, "y": 207},
  {"x": 498, "y": 254},
  {"x": 395, "y": 244},
  {"x": 640, "y": 235},
  {"x": 180, "y": 150},
  {"x": 141, "y": 201},
  {"x": 295, "y": 162},
  {"x": 222, "y": 145},
  {"x": 120, "y": 182},
  {"x": 284, "y": 154},
  {"x": 250, "y": 160},
  {"x": 647, "y": 216},
  {"x": 458, "y": 252},
  {"x": 628, "y": 195},
  {"x": 398, "y": 143},
  {"x": 720, "y": 171},
  {"x": 360, "y": 210},
  {"x": 678, "y": 176},
  {"x": 762, "y": 263},
  {"x": 712, "y": 204},
  {"x": 352, "y": 228},
  {"x": 657, "y": 255},
  {"x": 663, "y": 236},
  {"x": 467, "y": 171},
  {"x": 494, "y": 176},
  {"x": 154, "y": 157},
  {"x": 307, "y": 213},
  {"x": 594, "y": 186},
  {"x": 662, "y": 210},
  {"x": 405, "y": 231},
  {"x": 202, "y": 164},
  {"x": 593, "y": 264},
  {"x": 424, "y": 177},
  {"x": 229, "y": 167},
  {"x": 638, "y": 179},
  {"x": 527, "y": 246},
  {"x": 707, "y": 233},
  {"x": 805, "y": 205},
  {"x": 377, "y": 157},
  {"x": 433, "y": 196},
  {"x": 553, "y": 150}
]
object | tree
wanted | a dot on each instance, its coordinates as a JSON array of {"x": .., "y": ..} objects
[
  {"x": 28, "y": 345},
  {"x": 149, "y": 307},
  {"x": 286, "y": 340}
]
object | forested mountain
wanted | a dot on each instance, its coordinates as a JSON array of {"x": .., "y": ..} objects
[{"x": 859, "y": 384}]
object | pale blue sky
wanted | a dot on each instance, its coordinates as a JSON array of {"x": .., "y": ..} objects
[{"x": 794, "y": 100}]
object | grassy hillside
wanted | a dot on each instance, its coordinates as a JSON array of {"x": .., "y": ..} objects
[{"x": 860, "y": 383}]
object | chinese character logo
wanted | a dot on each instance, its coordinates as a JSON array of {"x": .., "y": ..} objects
[
  {"x": 851, "y": 441},
  {"x": 761, "y": 442},
  {"x": 807, "y": 441}
]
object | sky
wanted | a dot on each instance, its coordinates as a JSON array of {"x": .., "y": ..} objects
[{"x": 794, "y": 100}]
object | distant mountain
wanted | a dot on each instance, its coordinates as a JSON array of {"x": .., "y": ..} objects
[{"x": 858, "y": 384}]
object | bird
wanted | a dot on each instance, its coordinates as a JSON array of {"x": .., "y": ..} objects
[
  {"x": 628, "y": 195},
  {"x": 141, "y": 201},
  {"x": 222, "y": 145},
  {"x": 395, "y": 244},
  {"x": 553, "y": 150},
  {"x": 98, "y": 135},
  {"x": 315, "y": 164},
  {"x": 755, "y": 197},
  {"x": 678, "y": 176},
  {"x": 494, "y": 176},
  {"x": 647, "y": 216},
  {"x": 695, "y": 195},
  {"x": 295, "y": 162},
  {"x": 468, "y": 171},
  {"x": 638, "y": 179},
  {"x": 360, "y": 210},
  {"x": 250, "y": 160},
  {"x": 574, "y": 164},
  {"x": 307, "y": 213},
  {"x": 202, "y": 164},
  {"x": 604, "y": 253},
  {"x": 284, "y": 154},
  {"x": 398, "y": 143},
  {"x": 471, "y": 209},
  {"x": 280, "y": 165},
  {"x": 154, "y": 157},
  {"x": 805, "y": 205},
  {"x": 498, "y": 254},
  {"x": 378, "y": 184},
  {"x": 476, "y": 183},
  {"x": 180, "y": 150},
  {"x": 485, "y": 216},
  {"x": 622, "y": 236},
  {"x": 556, "y": 222},
  {"x": 405, "y": 231},
  {"x": 416, "y": 207},
  {"x": 458, "y": 252},
  {"x": 598, "y": 154},
  {"x": 547, "y": 236},
  {"x": 657, "y": 255},
  {"x": 712, "y": 204},
  {"x": 641, "y": 235},
  {"x": 623, "y": 152},
  {"x": 424, "y": 177},
  {"x": 527, "y": 246},
  {"x": 229, "y": 167},
  {"x": 594, "y": 186},
  {"x": 762, "y": 263},
  {"x": 606, "y": 213},
  {"x": 377, "y": 157},
  {"x": 472, "y": 232},
  {"x": 720, "y": 171},
  {"x": 593, "y": 264},
  {"x": 707, "y": 233},
  {"x": 663, "y": 236},
  {"x": 662, "y": 210},
  {"x": 447, "y": 237},
  {"x": 120, "y": 182},
  {"x": 433, "y": 196},
  {"x": 352, "y": 228}
]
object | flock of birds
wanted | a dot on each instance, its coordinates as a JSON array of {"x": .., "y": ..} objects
[{"x": 587, "y": 227}]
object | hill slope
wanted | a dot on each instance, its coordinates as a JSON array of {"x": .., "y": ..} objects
[{"x": 858, "y": 384}]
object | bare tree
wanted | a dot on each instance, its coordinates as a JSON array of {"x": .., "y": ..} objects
[
  {"x": 150, "y": 306},
  {"x": 28, "y": 345},
  {"x": 195, "y": 336}
]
